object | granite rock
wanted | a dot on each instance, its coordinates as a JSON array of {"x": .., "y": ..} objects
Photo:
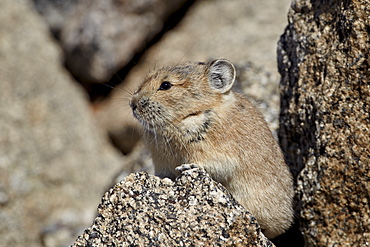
[
  {"x": 51, "y": 148},
  {"x": 325, "y": 122},
  {"x": 100, "y": 37},
  {"x": 144, "y": 210}
]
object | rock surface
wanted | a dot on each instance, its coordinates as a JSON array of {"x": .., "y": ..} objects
[
  {"x": 144, "y": 210},
  {"x": 100, "y": 37},
  {"x": 51, "y": 149},
  {"x": 325, "y": 122}
]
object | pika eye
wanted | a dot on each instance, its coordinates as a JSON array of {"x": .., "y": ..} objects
[{"x": 165, "y": 85}]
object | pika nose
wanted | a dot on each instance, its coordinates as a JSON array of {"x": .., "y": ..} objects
[
  {"x": 141, "y": 102},
  {"x": 133, "y": 103},
  {"x": 144, "y": 102}
]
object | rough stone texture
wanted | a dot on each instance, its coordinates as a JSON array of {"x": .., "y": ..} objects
[
  {"x": 51, "y": 150},
  {"x": 143, "y": 210},
  {"x": 325, "y": 123},
  {"x": 100, "y": 37}
]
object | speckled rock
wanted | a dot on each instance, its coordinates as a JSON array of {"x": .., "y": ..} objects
[
  {"x": 100, "y": 37},
  {"x": 144, "y": 210},
  {"x": 325, "y": 121}
]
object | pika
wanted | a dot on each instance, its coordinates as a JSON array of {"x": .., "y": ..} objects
[{"x": 190, "y": 115}]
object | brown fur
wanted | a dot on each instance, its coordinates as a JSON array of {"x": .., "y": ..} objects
[{"x": 198, "y": 120}]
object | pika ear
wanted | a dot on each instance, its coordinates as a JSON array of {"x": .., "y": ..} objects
[{"x": 221, "y": 75}]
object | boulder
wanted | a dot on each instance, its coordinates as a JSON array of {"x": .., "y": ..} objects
[
  {"x": 324, "y": 122},
  {"x": 144, "y": 210},
  {"x": 101, "y": 37},
  {"x": 51, "y": 148}
]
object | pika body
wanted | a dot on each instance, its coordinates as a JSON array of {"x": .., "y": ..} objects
[{"x": 191, "y": 115}]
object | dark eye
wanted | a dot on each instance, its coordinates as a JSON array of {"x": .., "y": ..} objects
[{"x": 165, "y": 85}]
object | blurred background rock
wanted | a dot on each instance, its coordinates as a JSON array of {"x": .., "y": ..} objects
[{"x": 63, "y": 127}]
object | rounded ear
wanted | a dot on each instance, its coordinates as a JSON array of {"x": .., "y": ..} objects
[{"x": 221, "y": 75}]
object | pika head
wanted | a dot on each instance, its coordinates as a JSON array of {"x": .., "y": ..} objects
[{"x": 181, "y": 97}]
